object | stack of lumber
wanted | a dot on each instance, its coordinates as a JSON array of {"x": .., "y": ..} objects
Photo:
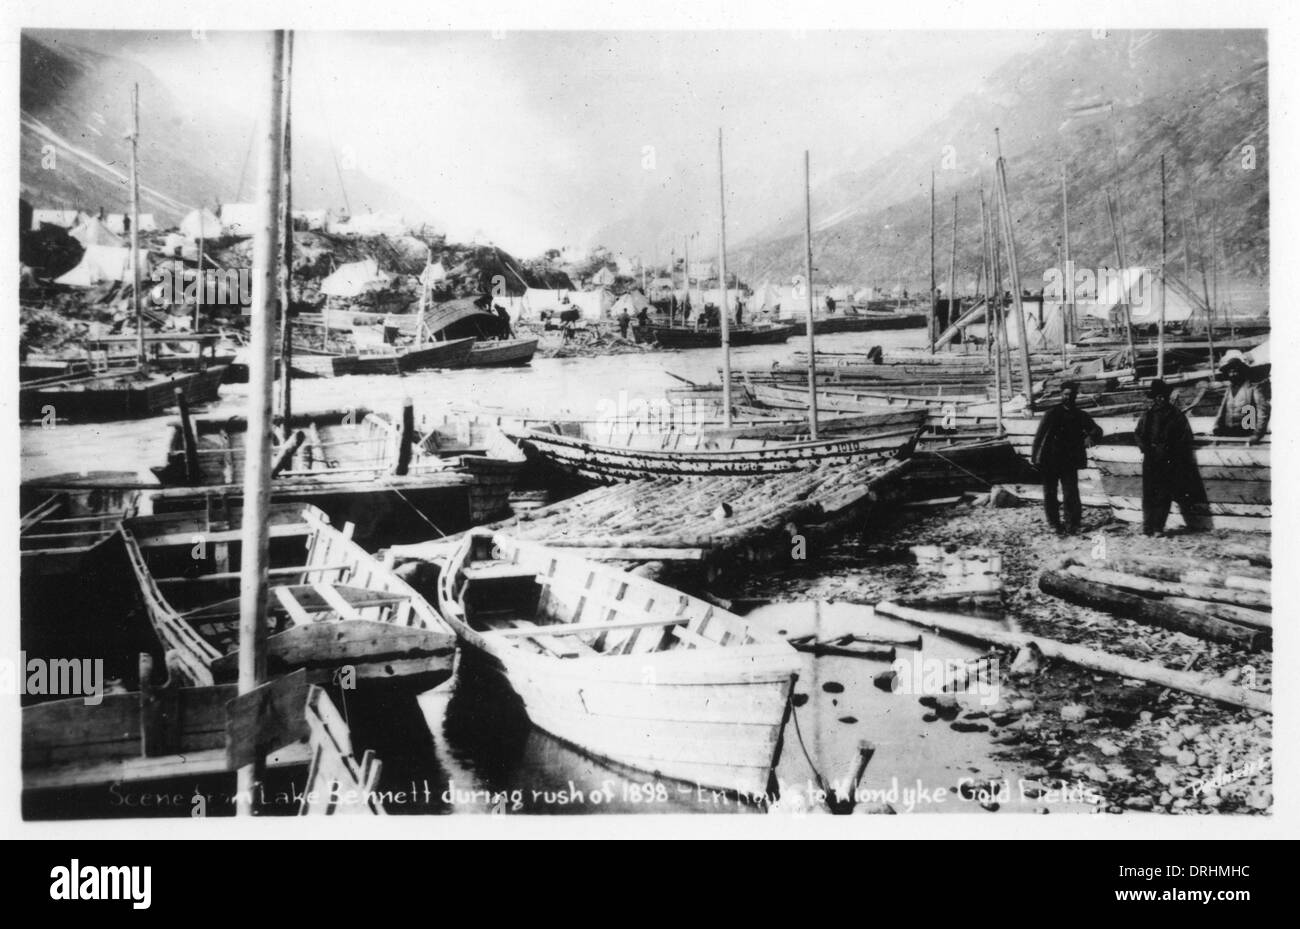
[{"x": 1227, "y": 601}]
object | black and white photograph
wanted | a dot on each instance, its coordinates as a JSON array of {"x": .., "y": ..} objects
[{"x": 587, "y": 422}]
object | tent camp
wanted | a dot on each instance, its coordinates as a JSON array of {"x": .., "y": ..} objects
[
  {"x": 603, "y": 278},
  {"x": 594, "y": 304},
  {"x": 433, "y": 273},
  {"x": 239, "y": 219},
  {"x": 93, "y": 232},
  {"x": 201, "y": 224},
  {"x": 67, "y": 219},
  {"x": 104, "y": 263},
  {"x": 356, "y": 278},
  {"x": 633, "y": 301}
]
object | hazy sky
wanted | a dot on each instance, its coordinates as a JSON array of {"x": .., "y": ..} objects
[{"x": 534, "y": 139}]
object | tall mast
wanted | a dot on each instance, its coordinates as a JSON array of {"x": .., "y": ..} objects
[
  {"x": 1067, "y": 298},
  {"x": 722, "y": 274},
  {"x": 990, "y": 320},
  {"x": 1205, "y": 282},
  {"x": 952, "y": 268},
  {"x": 1008, "y": 232},
  {"x": 135, "y": 229},
  {"x": 1119, "y": 257},
  {"x": 808, "y": 270},
  {"x": 1164, "y": 286},
  {"x": 686, "y": 273},
  {"x": 257, "y": 462},
  {"x": 286, "y": 228},
  {"x": 929, "y": 316}
]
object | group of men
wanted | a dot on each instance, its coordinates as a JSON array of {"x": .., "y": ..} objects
[{"x": 1163, "y": 434}]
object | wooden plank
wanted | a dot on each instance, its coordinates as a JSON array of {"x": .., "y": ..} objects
[
  {"x": 269, "y": 717},
  {"x": 333, "y": 643},
  {"x": 497, "y": 571},
  {"x": 291, "y": 606},
  {"x": 335, "y": 600}
]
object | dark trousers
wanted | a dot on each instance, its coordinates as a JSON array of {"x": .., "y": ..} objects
[
  {"x": 1068, "y": 478},
  {"x": 1163, "y": 484}
]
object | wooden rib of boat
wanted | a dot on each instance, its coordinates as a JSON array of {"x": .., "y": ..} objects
[
  {"x": 333, "y": 607},
  {"x": 688, "y": 337},
  {"x": 621, "y": 667},
  {"x": 1236, "y": 477},
  {"x": 577, "y": 450},
  {"x": 115, "y": 395},
  {"x": 495, "y": 353}
]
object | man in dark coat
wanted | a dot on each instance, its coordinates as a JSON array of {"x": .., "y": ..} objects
[
  {"x": 1169, "y": 470},
  {"x": 1060, "y": 450}
]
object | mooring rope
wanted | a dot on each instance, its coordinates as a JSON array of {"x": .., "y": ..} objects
[{"x": 821, "y": 781}]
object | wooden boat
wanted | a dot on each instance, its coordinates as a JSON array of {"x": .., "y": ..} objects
[
  {"x": 621, "y": 667},
  {"x": 688, "y": 337},
  {"x": 351, "y": 465},
  {"x": 581, "y": 450},
  {"x": 58, "y": 535},
  {"x": 851, "y": 321},
  {"x": 860, "y": 400},
  {"x": 101, "y": 397},
  {"x": 335, "y": 607},
  {"x": 450, "y": 353},
  {"x": 1236, "y": 477},
  {"x": 495, "y": 353}
]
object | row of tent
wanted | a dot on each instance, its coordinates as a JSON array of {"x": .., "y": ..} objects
[{"x": 231, "y": 219}]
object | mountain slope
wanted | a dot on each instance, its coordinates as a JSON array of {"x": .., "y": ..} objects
[
  {"x": 1195, "y": 97},
  {"x": 77, "y": 101}
]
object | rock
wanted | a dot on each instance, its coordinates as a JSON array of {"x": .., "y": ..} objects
[
  {"x": 975, "y": 714},
  {"x": 991, "y": 805},
  {"x": 887, "y": 681},
  {"x": 1168, "y": 751},
  {"x": 1107, "y": 747},
  {"x": 963, "y": 726},
  {"x": 1119, "y": 772},
  {"x": 1008, "y": 737},
  {"x": 1165, "y": 774},
  {"x": 1165, "y": 798},
  {"x": 1260, "y": 798},
  {"x": 1139, "y": 803},
  {"x": 1186, "y": 759},
  {"x": 1146, "y": 716},
  {"x": 1003, "y": 499},
  {"x": 1023, "y": 705},
  {"x": 1032, "y": 789},
  {"x": 1093, "y": 773},
  {"x": 1213, "y": 801},
  {"x": 1028, "y": 661},
  {"x": 1074, "y": 713},
  {"x": 833, "y": 687},
  {"x": 1003, "y": 719},
  {"x": 929, "y": 717},
  {"x": 1036, "y": 772},
  {"x": 1204, "y": 760},
  {"x": 1190, "y": 732}
]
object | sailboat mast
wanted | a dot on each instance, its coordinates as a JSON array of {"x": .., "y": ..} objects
[
  {"x": 722, "y": 274},
  {"x": 929, "y": 316},
  {"x": 286, "y": 228},
  {"x": 257, "y": 462},
  {"x": 1067, "y": 299},
  {"x": 952, "y": 268},
  {"x": 808, "y": 268},
  {"x": 135, "y": 228},
  {"x": 1164, "y": 260},
  {"x": 1008, "y": 232}
]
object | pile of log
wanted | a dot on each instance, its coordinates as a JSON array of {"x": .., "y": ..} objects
[{"x": 1228, "y": 601}]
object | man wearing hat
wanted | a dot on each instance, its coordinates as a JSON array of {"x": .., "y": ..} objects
[
  {"x": 1060, "y": 450},
  {"x": 1168, "y": 461},
  {"x": 1244, "y": 411}
]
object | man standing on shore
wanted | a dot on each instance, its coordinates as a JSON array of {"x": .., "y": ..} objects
[
  {"x": 1060, "y": 450},
  {"x": 1168, "y": 462}
]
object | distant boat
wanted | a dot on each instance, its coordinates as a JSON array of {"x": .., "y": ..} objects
[
  {"x": 737, "y": 336},
  {"x": 114, "y": 395},
  {"x": 1237, "y": 481},
  {"x": 864, "y": 321},
  {"x": 452, "y": 353},
  {"x": 621, "y": 667},
  {"x": 494, "y": 353},
  {"x": 336, "y": 606}
]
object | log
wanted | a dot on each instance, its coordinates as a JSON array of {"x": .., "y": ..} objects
[
  {"x": 1252, "y": 553},
  {"x": 982, "y": 631},
  {"x": 1100, "y": 596},
  {"x": 192, "y": 473},
  {"x": 1187, "y": 571},
  {"x": 1236, "y": 614},
  {"x": 1247, "y": 598}
]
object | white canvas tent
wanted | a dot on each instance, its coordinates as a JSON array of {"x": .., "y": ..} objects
[
  {"x": 356, "y": 278},
  {"x": 93, "y": 232},
  {"x": 603, "y": 278},
  {"x": 633, "y": 301},
  {"x": 594, "y": 304},
  {"x": 239, "y": 219},
  {"x": 201, "y": 224},
  {"x": 104, "y": 263}
]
